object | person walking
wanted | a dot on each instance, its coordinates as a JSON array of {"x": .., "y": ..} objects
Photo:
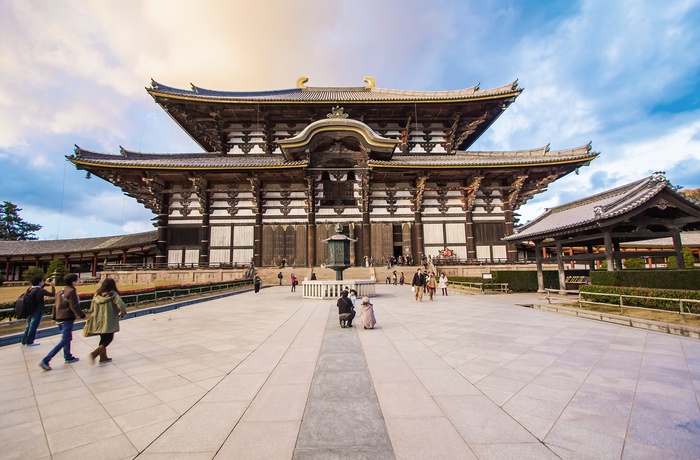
[
  {"x": 431, "y": 285},
  {"x": 65, "y": 310},
  {"x": 443, "y": 283},
  {"x": 418, "y": 285},
  {"x": 367, "y": 312},
  {"x": 256, "y": 283},
  {"x": 294, "y": 283},
  {"x": 34, "y": 319},
  {"x": 105, "y": 310},
  {"x": 279, "y": 276},
  {"x": 402, "y": 280}
]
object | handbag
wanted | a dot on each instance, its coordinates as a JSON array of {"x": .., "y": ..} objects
[{"x": 413, "y": 288}]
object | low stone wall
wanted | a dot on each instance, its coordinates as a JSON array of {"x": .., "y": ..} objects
[{"x": 197, "y": 276}]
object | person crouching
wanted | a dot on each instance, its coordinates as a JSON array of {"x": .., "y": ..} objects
[
  {"x": 345, "y": 311},
  {"x": 367, "y": 311}
]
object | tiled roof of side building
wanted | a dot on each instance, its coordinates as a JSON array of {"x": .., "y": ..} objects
[
  {"x": 333, "y": 94},
  {"x": 79, "y": 245},
  {"x": 588, "y": 212},
  {"x": 691, "y": 239}
]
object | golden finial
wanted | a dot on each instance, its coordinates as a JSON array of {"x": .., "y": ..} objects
[
  {"x": 301, "y": 81},
  {"x": 371, "y": 83},
  {"x": 337, "y": 112}
]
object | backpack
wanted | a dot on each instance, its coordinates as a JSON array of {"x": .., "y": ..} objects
[{"x": 26, "y": 305}]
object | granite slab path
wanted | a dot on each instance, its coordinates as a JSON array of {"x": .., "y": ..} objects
[{"x": 272, "y": 376}]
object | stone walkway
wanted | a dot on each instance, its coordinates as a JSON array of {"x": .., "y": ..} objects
[{"x": 272, "y": 376}]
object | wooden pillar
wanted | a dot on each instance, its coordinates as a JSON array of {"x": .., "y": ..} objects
[
  {"x": 94, "y": 264},
  {"x": 204, "y": 231},
  {"x": 540, "y": 274},
  {"x": 256, "y": 189},
  {"x": 678, "y": 247},
  {"x": 162, "y": 238},
  {"x": 617, "y": 255},
  {"x": 591, "y": 264},
  {"x": 471, "y": 244},
  {"x": 560, "y": 268},
  {"x": 311, "y": 215},
  {"x": 417, "y": 237},
  {"x": 366, "y": 226},
  {"x": 607, "y": 238},
  {"x": 124, "y": 251},
  {"x": 511, "y": 250}
]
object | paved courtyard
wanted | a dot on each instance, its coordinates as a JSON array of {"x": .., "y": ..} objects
[{"x": 272, "y": 376}]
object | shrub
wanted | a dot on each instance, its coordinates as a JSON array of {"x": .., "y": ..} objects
[
  {"x": 589, "y": 293},
  {"x": 688, "y": 260},
  {"x": 57, "y": 270},
  {"x": 2, "y": 279},
  {"x": 31, "y": 272},
  {"x": 636, "y": 262},
  {"x": 649, "y": 278}
]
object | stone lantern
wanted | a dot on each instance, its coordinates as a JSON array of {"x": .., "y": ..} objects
[{"x": 338, "y": 252}]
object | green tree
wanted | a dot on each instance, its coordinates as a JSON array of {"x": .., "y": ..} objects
[
  {"x": 31, "y": 272},
  {"x": 688, "y": 259},
  {"x": 12, "y": 227},
  {"x": 636, "y": 262},
  {"x": 57, "y": 270}
]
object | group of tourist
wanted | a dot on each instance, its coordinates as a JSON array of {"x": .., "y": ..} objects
[
  {"x": 106, "y": 309},
  {"x": 428, "y": 283},
  {"x": 346, "y": 309}
]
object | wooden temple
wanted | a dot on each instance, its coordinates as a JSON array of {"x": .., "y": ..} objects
[{"x": 280, "y": 169}]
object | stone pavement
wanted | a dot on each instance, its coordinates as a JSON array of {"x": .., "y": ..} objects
[{"x": 273, "y": 376}]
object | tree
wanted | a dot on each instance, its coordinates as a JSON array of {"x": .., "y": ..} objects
[
  {"x": 57, "y": 270},
  {"x": 636, "y": 262},
  {"x": 12, "y": 227},
  {"x": 31, "y": 272},
  {"x": 688, "y": 259},
  {"x": 692, "y": 193}
]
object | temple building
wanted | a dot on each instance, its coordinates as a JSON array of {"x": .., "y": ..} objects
[{"x": 280, "y": 169}]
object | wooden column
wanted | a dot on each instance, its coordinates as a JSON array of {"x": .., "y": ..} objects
[
  {"x": 94, "y": 264},
  {"x": 162, "y": 239},
  {"x": 678, "y": 247},
  {"x": 538, "y": 260},
  {"x": 617, "y": 255},
  {"x": 607, "y": 238},
  {"x": 366, "y": 226},
  {"x": 560, "y": 268},
  {"x": 591, "y": 264},
  {"x": 204, "y": 231},
  {"x": 511, "y": 250},
  {"x": 256, "y": 189},
  {"x": 471, "y": 244},
  {"x": 311, "y": 215},
  {"x": 417, "y": 237}
]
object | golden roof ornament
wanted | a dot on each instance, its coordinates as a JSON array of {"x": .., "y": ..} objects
[
  {"x": 301, "y": 81},
  {"x": 371, "y": 82},
  {"x": 337, "y": 112}
]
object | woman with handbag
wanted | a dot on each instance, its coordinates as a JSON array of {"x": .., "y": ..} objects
[{"x": 106, "y": 309}]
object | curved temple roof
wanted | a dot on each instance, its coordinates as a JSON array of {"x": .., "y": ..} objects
[{"x": 333, "y": 94}]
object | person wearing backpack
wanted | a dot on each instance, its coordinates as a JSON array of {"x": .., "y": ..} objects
[
  {"x": 65, "y": 310},
  {"x": 36, "y": 295}
]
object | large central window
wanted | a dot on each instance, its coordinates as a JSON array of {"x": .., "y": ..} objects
[{"x": 338, "y": 192}]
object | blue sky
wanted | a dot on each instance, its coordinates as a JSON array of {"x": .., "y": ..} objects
[{"x": 622, "y": 74}]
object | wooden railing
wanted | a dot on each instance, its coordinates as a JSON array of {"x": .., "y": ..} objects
[{"x": 684, "y": 305}]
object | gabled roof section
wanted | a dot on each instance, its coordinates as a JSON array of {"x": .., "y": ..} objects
[
  {"x": 332, "y": 94},
  {"x": 597, "y": 210}
]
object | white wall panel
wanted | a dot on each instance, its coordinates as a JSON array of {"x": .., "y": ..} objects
[
  {"x": 243, "y": 236},
  {"x": 456, "y": 233},
  {"x": 220, "y": 235},
  {"x": 483, "y": 252},
  {"x": 242, "y": 255},
  {"x": 219, "y": 256},
  {"x": 191, "y": 256},
  {"x": 459, "y": 251},
  {"x": 499, "y": 252},
  {"x": 175, "y": 256},
  {"x": 432, "y": 234}
]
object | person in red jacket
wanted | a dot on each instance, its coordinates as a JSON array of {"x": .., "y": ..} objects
[{"x": 65, "y": 310}]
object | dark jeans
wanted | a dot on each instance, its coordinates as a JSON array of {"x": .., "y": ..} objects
[
  {"x": 32, "y": 325},
  {"x": 66, "y": 328},
  {"x": 348, "y": 320},
  {"x": 106, "y": 339}
]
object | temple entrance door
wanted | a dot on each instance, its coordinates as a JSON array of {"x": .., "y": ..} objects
[
  {"x": 284, "y": 242},
  {"x": 398, "y": 240}
]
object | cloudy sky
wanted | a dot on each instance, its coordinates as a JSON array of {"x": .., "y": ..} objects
[{"x": 622, "y": 74}]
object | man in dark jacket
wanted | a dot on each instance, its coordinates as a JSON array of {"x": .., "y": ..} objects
[
  {"x": 34, "y": 318},
  {"x": 65, "y": 310},
  {"x": 345, "y": 311},
  {"x": 418, "y": 284}
]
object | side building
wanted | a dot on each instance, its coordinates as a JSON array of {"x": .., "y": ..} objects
[{"x": 280, "y": 169}]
